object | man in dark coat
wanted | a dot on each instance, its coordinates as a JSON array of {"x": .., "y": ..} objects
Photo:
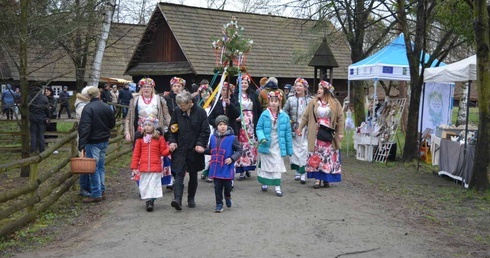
[
  {"x": 188, "y": 138},
  {"x": 64, "y": 102},
  {"x": 124, "y": 98},
  {"x": 39, "y": 116},
  {"x": 94, "y": 131}
]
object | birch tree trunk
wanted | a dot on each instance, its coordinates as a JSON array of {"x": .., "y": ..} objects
[
  {"x": 462, "y": 105},
  {"x": 101, "y": 44}
]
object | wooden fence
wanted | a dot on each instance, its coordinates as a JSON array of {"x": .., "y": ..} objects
[{"x": 23, "y": 203}]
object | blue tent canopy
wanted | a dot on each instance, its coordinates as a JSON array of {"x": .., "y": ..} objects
[{"x": 389, "y": 63}]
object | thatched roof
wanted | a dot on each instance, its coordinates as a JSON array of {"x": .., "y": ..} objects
[{"x": 283, "y": 47}]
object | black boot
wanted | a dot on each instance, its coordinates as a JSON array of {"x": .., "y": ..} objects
[
  {"x": 191, "y": 193},
  {"x": 190, "y": 202},
  {"x": 178, "y": 192},
  {"x": 149, "y": 205}
]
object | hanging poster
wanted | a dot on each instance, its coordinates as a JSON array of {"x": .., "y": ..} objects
[{"x": 437, "y": 105}]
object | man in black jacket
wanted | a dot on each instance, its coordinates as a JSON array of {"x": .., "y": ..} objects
[
  {"x": 125, "y": 96},
  {"x": 39, "y": 116},
  {"x": 64, "y": 102},
  {"x": 189, "y": 137},
  {"x": 94, "y": 131}
]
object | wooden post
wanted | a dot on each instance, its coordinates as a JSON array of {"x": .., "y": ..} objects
[
  {"x": 33, "y": 176},
  {"x": 74, "y": 151}
]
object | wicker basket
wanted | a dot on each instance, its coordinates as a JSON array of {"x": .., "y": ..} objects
[{"x": 82, "y": 165}]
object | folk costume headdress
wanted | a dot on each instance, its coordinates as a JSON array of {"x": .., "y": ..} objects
[
  {"x": 179, "y": 80},
  {"x": 146, "y": 82},
  {"x": 302, "y": 81},
  {"x": 327, "y": 86},
  {"x": 275, "y": 94}
]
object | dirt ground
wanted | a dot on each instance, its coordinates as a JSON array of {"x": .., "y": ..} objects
[{"x": 377, "y": 211}]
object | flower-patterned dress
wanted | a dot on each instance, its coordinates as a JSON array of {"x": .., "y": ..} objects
[
  {"x": 246, "y": 137},
  {"x": 145, "y": 108},
  {"x": 324, "y": 161}
]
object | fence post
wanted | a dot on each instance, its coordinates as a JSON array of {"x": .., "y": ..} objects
[
  {"x": 33, "y": 176},
  {"x": 74, "y": 151}
]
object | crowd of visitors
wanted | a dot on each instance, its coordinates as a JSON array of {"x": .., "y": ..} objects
[{"x": 241, "y": 129}]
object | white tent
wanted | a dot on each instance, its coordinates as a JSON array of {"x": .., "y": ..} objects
[{"x": 461, "y": 71}]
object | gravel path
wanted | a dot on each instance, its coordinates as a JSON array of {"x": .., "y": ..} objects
[{"x": 340, "y": 221}]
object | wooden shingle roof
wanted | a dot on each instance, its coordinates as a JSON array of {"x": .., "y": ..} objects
[
  {"x": 57, "y": 65},
  {"x": 282, "y": 46}
]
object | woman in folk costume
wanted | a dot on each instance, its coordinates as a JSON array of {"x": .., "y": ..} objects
[
  {"x": 177, "y": 85},
  {"x": 140, "y": 107},
  {"x": 295, "y": 107},
  {"x": 249, "y": 106},
  {"x": 226, "y": 106},
  {"x": 275, "y": 142},
  {"x": 324, "y": 156},
  {"x": 146, "y": 164}
]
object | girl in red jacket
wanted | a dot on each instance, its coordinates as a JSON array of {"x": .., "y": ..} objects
[{"x": 146, "y": 164}]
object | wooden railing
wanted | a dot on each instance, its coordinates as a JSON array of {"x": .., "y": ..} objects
[{"x": 23, "y": 203}]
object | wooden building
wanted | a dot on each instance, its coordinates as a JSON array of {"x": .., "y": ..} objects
[
  {"x": 178, "y": 42},
  {"x": 56, "y": 69}
]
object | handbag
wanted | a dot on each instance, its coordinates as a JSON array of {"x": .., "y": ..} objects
[{"x": 324, "y": 132}]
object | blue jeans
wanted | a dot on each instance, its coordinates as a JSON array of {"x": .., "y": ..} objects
[
  {"x": 125, "y": 112},
  {"x": 97, "y": 179},
  {"x": 84, "y": 183}
]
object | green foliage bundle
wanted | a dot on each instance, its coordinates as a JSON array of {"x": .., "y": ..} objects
[{"x": 231, "y": 47}]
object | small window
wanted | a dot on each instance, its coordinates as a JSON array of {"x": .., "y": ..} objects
[{"x": 56, "y": 90}]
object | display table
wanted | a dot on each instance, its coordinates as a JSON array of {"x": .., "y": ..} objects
[
  {"x": 454, "y": 163},
  {"x": 435, "y": 145},
  {"x": 365, "y": 145}
]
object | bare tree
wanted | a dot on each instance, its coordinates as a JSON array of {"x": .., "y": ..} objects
[
  {"x": 26, "y": 24},
  {"x": 357, "y": 21},
  {"x": 78, "y": 35},
  {"x": 99, "y": 54},
  {"x": 133, "y": 11},
  {"x": 415, "y": 21}
]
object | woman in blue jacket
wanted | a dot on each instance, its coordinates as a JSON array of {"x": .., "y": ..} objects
[{"x": 275, "y": 142}]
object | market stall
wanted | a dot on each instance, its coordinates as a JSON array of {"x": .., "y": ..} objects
[
  {"x": 375, "y": 138},
  {"x": 456, "y": 154}
]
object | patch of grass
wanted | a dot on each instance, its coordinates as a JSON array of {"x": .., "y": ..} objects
[
  {"x": 64, "y": 126},
  {"x": 473, "y": 118},
  {"x": 434, "y": 200}
]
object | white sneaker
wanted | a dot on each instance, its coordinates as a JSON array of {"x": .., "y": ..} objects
[
  {"x": 303, "y": 178},
  {"x": 297, "y": 176}
]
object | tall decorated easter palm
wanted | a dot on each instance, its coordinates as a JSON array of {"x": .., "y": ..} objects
[
  {"x": 230, "y": 51},
  {"x": 231, "y": 48}
]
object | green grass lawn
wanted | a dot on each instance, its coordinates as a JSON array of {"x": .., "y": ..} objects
[{"x": 473, "y": 116}]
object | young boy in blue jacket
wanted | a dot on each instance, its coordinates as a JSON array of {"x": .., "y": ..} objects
[{"x": 224, "y": 148}]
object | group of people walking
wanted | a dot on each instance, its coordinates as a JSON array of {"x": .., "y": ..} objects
[{"x": 246, "y": 131}]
